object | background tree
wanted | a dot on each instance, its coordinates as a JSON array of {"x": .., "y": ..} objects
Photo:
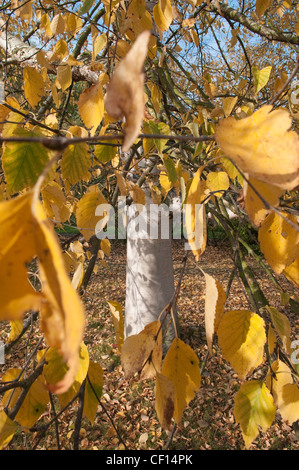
[{"x": 216, "y": 126}]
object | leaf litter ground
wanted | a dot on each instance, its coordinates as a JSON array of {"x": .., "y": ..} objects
[
  {"x": 208, "y": 422},
  {"x": 128, "y": 406}
]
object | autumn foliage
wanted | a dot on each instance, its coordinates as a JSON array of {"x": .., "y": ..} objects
[{"x": 64, "y": 132}]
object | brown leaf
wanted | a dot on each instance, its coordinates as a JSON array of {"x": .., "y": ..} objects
[
  {"x": 125, "y": 92},
  {"x": 165, "y": 397},
  {"x": 143, "y": 352}
]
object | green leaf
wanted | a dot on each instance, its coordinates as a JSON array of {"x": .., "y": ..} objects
[
  {"x": 153, "y": 128},
  {"x": 75, "y": 163},
  {"x": 105, "y": 153},
  {"x": 87, "y": 4},
  {"x": 170, "y": 169},
  {"x": 23, "y": 162}
]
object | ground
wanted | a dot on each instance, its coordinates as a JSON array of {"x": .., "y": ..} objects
[{"x": 126, "y": 418}]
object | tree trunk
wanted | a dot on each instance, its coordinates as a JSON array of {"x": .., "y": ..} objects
[{"x": 149, "y": 275}]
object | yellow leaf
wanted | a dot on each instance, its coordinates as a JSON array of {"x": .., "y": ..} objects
[
  {"x": 163, "y": 15},
  {"x": 195, "y": 217},
  {"x": 62, "y": 314},
  {"x": 231, "y": 170},
  {"x": 45, "y": 24},
  {"x": 156, "y": 194},
  {"x": 121, "y": 183},
  {"x": 93, "y": 391},
  {"x": 254, "y": 206},
  {"x": 125, "y": 91},
  {"x": 34, "y": 85},
  {"x": 16, "y": 328},
  {"x": 156, "y": 96},
  {"x": 98, "y": 44},
  {"x": 136, "y": 193},
  {"x": 209, "y": 88},
  {"x": 164, "y": 404},
  {"x": 10, "y": 396},
  {"x": 61, "y": 49},
  {"x": 75, "y": 163},
  {"x": 91, "y": 106},
  {"x": 34, "y": 405},
  {"x": 261, "y": 77},
  {"x": 106, "y": 246},
  {"x": 56, "y": 95},
  {"x": 181, "y": 367},
  {"x": 7, "y": 429},
  {"x": 289, "y": 409},
  {"x": 241, "y": 338},
  {"x": 261, "y": 6},
  {"x": 262, "y": 146},
  {"x": 280, "y": 81},
  {"x": 279, "y": 241},
  {"x": 271, "y": 339},
  {"x": 78, "y": 276},
  {"x": 73, "y": 24},
  {"x": 57, "y": 25},
  {"x": 292, "y": 272},
  {"x": 64, "y": 76},
  {"x": 285, "y": 392},
  {"x": 105, "y": 153},
  {"x": 217, "y": 180},
  {"x": 54, "y": 202},
  {"x": 16, "y": 249},
  {"x": 118, "y": 321},
  {"x": 282, "y": 376},
  {"x": 25, "y": 10},
  {"x": 229, "y": 104},
  {"x": 254, "y": 408},
  {"x": 282, "y": 327},
  {"x": 86, "y": 212},
  {"x": 165, "y": 183},
  {"x": 56, "y": 369},
  {"x": 143, "y": 352},
  {"x": 26, "y": 233},
  {"x": 70, "y": 261},
  {"x": 214, "y": 307}
]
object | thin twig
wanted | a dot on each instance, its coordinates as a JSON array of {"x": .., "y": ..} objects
[
  {"x": 61, "y": 143},
  {"x": 105, "y": 410},
  {"x": 44, "y": 427},
  {"x": 286, "y": 84},
  {"x": 79, "y": 415},
  {"x": 56, "y": 420},
  {"x": 266, "y": 203}
]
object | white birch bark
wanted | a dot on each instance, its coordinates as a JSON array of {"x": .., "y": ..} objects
[
  {"x": 149, "y": 272},
  {"x": 22, "y": 54}
]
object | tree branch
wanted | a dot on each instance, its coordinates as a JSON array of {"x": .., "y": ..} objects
[{"x": 254, "y": 26}]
